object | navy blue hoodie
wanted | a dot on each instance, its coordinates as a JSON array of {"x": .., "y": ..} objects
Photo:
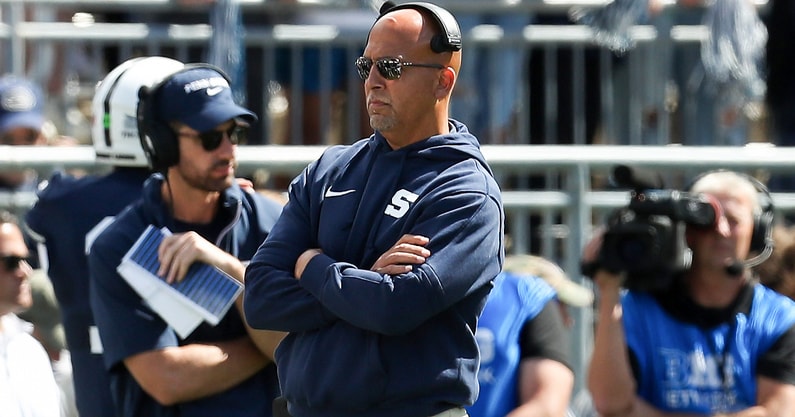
[
  {"x": 128, "y": 326},
  {"x": 363, "y": 343},
  {"x": 66, "y": 210}
]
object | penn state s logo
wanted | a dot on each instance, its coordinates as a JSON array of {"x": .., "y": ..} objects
[{"x": 400, "y": 204}]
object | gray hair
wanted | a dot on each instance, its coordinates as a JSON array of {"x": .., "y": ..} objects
[{"x": 730, "y": 182}]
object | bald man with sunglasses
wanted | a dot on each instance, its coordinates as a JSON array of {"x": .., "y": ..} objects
[
  {"x": 385, "y": 253},
  {"x": 189, "y": 126}
]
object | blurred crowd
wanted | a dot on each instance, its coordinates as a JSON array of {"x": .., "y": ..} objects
[{"x": 512, "y": 91}]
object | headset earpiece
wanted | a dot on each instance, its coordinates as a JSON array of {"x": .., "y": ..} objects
[
  {"x": 762, "y": 237},
  {"x": 158, "y": 139},
  {"x": 447, "y": 41}
]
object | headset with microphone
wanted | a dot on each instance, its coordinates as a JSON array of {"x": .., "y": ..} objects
[
  {"x": 762, "y": 237},
  {"x": 158, "y": 139}
]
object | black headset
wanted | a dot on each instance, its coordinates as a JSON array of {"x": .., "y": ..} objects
[
  {"x": 762, "y": 237},
  {"x": 448, "y": 41},
  {"x": 158, "y": 139}
]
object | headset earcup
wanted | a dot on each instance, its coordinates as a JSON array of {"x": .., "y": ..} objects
[
  {"x": 447, "y": 41},
  {"x": 439, "y": 44},
  {"x": 157, "y": 138},
  {"x": 144, "y": 135},
  {"x": 762, "y": 236}
]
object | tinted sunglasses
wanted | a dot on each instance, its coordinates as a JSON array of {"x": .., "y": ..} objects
[
  {"x": 389, "y": 68},
  {"x": 12, "y": 262},
  {"x": 212, "y": 139}
]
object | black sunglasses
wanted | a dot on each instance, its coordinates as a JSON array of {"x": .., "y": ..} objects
[
  {"x": 212, "y": 139},
  {"x": 12, "y": 262},
  {"x": 389, "y": 68}
]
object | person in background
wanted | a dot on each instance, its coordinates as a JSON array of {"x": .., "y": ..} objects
[
  {"x": 69, "y": 207},
  {"x": 523, "y": 340},
  {"x": 713, "y": 341},
  {"x": 780, "y": 86},
  {"x": 190, "y": 126},
  {"x": 318, "y": 70},
  {"x": 23, "y": 123},
  {"x": 778, "y": 271},
  {"x": 27, "y": 384},
  {"x": 45, "y": 316},
  {"x": 488, "y": 96},
  {"x": 384, "y": 255}
]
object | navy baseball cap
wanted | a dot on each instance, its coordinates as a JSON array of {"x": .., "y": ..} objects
[
  {"x": 200, "y": 98},
  {"x": 21, "y": 104}
]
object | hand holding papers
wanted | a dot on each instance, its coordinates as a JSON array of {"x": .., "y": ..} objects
[{"x": 206, "y": 293}]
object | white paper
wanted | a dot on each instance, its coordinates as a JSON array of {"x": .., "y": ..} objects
[{"x": 213, "y": 291}]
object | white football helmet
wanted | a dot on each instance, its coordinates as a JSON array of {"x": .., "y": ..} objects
[{"x": 114, "y": 131}]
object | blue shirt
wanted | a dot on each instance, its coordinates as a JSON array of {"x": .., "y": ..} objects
[
  {"x": 686, "y": 368},
  {"x": 128, "y": 326},
  {"x": 514, "y": 301}
]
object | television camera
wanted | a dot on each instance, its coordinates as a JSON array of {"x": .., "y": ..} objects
[{"x": 646, "y": 239}]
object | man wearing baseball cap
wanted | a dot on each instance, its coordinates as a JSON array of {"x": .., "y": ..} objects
[
  {"x": 201, "y": 99},
  {"x": 194, "y": 102},
  {"x": 21, "y": 114},
  {"x": 189, "y": 126},
  {"x": 21, "y": 123}
]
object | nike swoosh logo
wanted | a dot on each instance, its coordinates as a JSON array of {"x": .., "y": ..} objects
[
  {"x": 332, "y": 193},
  {"x": 211, "y": 91}
]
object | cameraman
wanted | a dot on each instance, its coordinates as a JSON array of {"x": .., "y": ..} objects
[{"x": 713, "y": 343}]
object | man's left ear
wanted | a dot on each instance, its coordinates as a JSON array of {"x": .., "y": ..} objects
[{"x": 446, "y": 82}]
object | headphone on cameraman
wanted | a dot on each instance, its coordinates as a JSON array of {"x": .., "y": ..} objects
[
  {"x": 448, "y": 41},
  {"x": 158, "y": 139},
  {"x": 762, "y": 237}
]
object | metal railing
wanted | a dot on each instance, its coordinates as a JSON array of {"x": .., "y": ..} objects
[
  {"x": 553, "y": 109},
  {"x": 568, "y": 211},
  {"x": 554, "y": 219}
]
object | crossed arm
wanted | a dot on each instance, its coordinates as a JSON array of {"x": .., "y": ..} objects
[
  {"x": 407, "y": 251},
  {"x": 193, "y": 371},
  {"x": 178, "y": 252}
]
